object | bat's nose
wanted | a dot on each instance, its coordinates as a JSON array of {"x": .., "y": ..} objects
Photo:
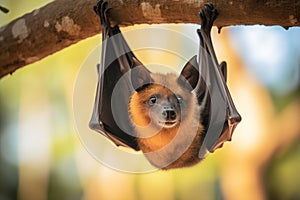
[{"x": 169, "y": 114}]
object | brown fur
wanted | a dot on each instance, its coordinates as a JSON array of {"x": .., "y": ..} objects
[{"x": 167, "y": 147}]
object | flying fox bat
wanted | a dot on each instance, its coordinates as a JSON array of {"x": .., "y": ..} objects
[{"x": 174, "y": 120}]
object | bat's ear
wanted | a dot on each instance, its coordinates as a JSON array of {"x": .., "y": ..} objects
[
  {"x": 190, "y": 74},
  {"x": 140, "y": 77}
]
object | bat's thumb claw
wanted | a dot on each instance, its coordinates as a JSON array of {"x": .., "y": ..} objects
[{"x": 235, "y": 119}]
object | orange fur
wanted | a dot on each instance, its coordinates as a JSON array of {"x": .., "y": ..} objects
[{"x": 167, "y": 147}]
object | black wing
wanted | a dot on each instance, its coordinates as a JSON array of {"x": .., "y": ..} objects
[
  {"x": 219, "y": 115},
  {"x": 110, "y": 115}
]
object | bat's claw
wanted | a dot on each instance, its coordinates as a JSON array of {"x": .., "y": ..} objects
[
  {"x": 97, "y": 8},
  {"x": 102, "y": 10},
  {"x": 234, "y": 120},
  {"x": 208, "y": 15}
]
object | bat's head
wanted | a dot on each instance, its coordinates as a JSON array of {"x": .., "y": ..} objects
[
  {"x": 162, "y": 100},
  {"x": 164, "y": 106}
]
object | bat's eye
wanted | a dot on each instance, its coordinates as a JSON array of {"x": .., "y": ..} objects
[
  {"x": 152, "y": 100},
  {"x": 179, "y": 99}
]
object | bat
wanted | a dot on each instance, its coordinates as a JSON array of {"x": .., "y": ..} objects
[{"x": 174, "y": 120}]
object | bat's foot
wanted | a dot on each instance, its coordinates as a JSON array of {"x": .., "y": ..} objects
[
  {"x": 102, "y": 9},
  {"x": 97, "y": 7},
  {"x": 208, "y": 15}
]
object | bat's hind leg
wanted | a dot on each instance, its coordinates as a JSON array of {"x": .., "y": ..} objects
[
  {"x": 102, "y": 9},
  {"x": 208, "y": 15}
]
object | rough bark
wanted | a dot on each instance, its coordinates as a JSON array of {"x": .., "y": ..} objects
[{"x": 65, "y": 22}]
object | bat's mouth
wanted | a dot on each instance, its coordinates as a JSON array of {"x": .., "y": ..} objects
[{"x": 168, "y": 124}]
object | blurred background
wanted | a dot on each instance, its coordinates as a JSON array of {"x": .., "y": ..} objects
[{"x": 42, "y": 156}]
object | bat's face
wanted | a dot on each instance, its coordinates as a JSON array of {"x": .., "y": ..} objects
[
  {"x": 162, "y": 101},
  {"x": 165, "y": 115},
  {"x": 162, "y": 106}
]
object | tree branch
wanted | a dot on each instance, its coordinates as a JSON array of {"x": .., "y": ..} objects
[{"x": 65, "y": 22}]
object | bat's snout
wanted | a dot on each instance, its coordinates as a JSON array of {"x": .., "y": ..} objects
[
  {"x": 169, "y": 114},
  {"x": 168, "y": 117}
]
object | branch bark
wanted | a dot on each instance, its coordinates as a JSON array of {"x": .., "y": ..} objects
[{"x": 65, "y": 22}]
